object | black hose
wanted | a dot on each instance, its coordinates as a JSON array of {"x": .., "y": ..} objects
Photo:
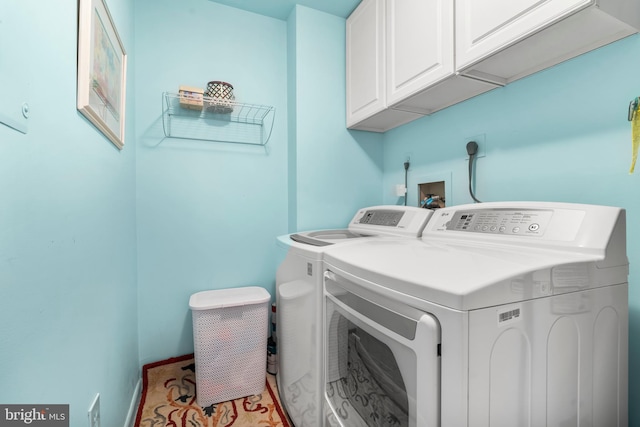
[
  {"x": 472, "y": 150},
  {"x": 406, "y": 192}
]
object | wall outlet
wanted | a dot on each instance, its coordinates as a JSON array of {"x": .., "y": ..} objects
[
  {"x": 481, "y": 140},
  {"x": 94, "y": 412}
]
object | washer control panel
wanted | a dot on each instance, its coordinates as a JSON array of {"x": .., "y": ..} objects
[
  {"x": 501, "y": 221},
  {"x": 390, "y": 220},
  {"x": 386, "y": 218}
]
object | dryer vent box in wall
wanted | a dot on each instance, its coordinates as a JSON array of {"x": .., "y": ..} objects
[
  {"x": 432, "y": 194},
  {"x": 230, "y": 343}
]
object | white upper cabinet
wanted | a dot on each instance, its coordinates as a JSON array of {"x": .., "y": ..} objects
[
  {"x": 400, "y": 63},
  {"x": 502, "y": 41},
  {"x": 367, "y": 107},
  {"x": 486, "y": 26},
  {"x": 419, "y": 40},
  {"x": 410, "y": 58},
  {"x": 365, "y": 61}
]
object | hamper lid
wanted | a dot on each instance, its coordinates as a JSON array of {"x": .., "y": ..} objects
[{"x": 220, "y": 298}]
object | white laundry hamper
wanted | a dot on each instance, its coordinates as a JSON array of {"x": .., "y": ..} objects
[{"x": 230, "y": 328}]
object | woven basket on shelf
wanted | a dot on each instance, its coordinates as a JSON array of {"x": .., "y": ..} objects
[{"x": 220, "y": 97}]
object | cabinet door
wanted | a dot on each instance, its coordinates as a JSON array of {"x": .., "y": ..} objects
[
  {"x": 419, "y": 45},
  {"x": 487, "y": 26},
  {"x": 365, "y": 61}
]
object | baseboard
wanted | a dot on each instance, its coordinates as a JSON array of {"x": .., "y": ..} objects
[{"x": 133, "y": 408}]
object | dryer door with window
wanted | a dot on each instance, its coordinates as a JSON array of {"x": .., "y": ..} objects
[{"x": 382, "y": 363}]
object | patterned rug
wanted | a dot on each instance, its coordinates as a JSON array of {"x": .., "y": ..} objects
[{"x": 169, "y": 399}]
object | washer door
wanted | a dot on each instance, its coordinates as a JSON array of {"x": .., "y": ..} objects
[{"x": 382, "y": 358}]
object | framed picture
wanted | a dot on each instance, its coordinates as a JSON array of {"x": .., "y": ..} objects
[{"x": 102, "y": 70}]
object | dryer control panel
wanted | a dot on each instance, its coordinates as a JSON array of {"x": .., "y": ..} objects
[
  {"x": 523, "y": 222},
  {"x": 544, "y": 222}
]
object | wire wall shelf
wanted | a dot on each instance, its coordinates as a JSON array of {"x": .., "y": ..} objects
[{"x": 217, "y": 120}]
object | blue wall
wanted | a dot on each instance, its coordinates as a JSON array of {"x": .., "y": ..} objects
[
  {"x": 559, "y": 135},
  {"x": 336, "y": 171},
  {"x": 208, "y": 212},
  {"x": 67, "y": 228}
]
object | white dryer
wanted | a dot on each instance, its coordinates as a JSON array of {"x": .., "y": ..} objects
[
  {"x": 299, "y": 296},
  {"x": 502, "y": 315}
]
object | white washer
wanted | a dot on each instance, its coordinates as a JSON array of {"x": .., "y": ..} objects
[
  {"x": 502, "y": 315},
  {"x": 299, "y": 298}
]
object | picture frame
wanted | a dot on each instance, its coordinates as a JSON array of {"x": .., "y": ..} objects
[{"x": 102, "y": 71}]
